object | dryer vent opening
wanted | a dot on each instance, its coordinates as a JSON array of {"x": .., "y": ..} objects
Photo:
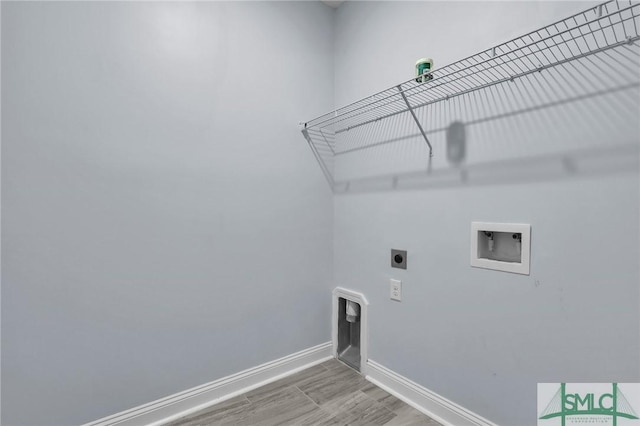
[{"x": 349, "y": 332}]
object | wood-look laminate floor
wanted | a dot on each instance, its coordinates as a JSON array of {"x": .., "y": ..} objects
[{"x": 326, "y": 394}]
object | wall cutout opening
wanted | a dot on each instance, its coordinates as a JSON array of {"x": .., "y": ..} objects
[
  {"x": 350, "y": 328},
  {"x": 501, "y": 246},
  {"x": 349, "y": 332}
]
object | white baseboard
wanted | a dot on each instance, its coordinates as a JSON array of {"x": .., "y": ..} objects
[
  {"x": 184, "y": 403},
  {"x": 430, "y": 403}
]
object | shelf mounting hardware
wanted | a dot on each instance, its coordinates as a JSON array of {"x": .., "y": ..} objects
[
  {"x": 415, "y": 118},
  {"x": 327, "y": 173}
]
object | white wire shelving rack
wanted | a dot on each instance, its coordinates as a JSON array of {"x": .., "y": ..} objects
[{"x": 605, "y": 34}]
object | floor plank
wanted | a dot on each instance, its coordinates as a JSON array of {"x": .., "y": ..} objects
[
  {"x": 332, "y": 384},
  {"x": 382, "y": 396},
  {"x": 409, "y": 416},
  {"x": 215, "y": 413},
  {"x": 327, "y": 394},
  {"x": 294, "y": 379},
  {"x": 356, "y": 408}
]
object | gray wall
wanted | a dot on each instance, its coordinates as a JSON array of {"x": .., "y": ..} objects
[
  {"x": 163, "y": 221},
  {"x": 485, "y": 338}
]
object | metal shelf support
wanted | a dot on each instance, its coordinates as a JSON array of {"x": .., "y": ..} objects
[{"x": 415, "y": 118}]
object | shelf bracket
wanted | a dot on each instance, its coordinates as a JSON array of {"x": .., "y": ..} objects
[
  {"x": 314, "y": 149},
  {"x": 415, "y": 118}
]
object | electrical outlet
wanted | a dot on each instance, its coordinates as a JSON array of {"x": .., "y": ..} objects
[
  {"x": 396, "y": 290},
  {"x": 398, "y": 258}
]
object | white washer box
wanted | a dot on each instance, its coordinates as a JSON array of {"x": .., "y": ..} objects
[{"x": 501, "y": 246}]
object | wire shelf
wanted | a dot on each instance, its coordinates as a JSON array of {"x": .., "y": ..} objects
[{"x": 607, "y": 31}]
